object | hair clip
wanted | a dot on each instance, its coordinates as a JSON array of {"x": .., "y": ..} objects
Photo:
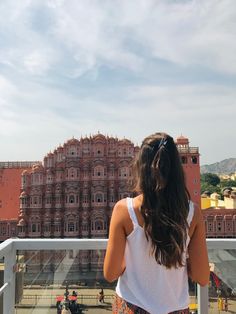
[{"x": 163, "y": 142}]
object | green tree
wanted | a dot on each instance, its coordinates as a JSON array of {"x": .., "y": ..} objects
[
  {"x": 227, "y": 183},
  {"x": 210, "y": 188},
  {"x": 210, "y": 179}
]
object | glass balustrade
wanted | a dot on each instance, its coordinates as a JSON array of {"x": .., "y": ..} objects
[{"x": 45, "y": 275}]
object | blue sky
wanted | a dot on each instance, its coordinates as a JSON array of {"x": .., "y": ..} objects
[{"x": 124, "y": 68}]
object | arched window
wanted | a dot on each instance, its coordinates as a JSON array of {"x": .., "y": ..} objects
[
  {"x": 47, "y": 227},
  {"x": 99, "y": 171},
  {"x": 33, "y": 228},
  {"x": 98, "y": 225},
  {"x": 194, "y": 160},
  {"x": 123, "y": 172},
  {"x": 71, "y": 226},
  {"x": 71, "y": 199},
  {"x": 99, "y": 197},
  {"x": 72, "y": 173},
  {"x": 183, "y": 159}
]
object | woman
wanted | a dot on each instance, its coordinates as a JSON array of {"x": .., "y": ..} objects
[{"x": 156, "y": 239}]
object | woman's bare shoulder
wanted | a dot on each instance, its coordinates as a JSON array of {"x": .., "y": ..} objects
[
  {"x": 197, "y": 215},
  {"x": 120, "y": 211}
]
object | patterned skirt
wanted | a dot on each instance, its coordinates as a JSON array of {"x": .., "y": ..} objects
[{"x": 120, "y": 306}]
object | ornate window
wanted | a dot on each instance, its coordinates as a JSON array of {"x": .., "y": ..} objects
[
  {"x": 124, "y": 172},
  {"x": 33, "y": 228},
  {"x": 194, "y": 160},
  {"x": 85, "y": 198},
  {"x": 47, "y": 227},
  {"x": 72, "y": 173},
  {"x": 71, "y": 199},
  {"x": 98, "y": 225},
  {"x": 57, "y": 227},
  {"x": 99, "y": 197},
  {"x": 99, "y": 171},
  {"x": 71, "y": 226}
]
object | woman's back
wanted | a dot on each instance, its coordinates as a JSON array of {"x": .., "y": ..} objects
[{"x": 146, "y": 283}]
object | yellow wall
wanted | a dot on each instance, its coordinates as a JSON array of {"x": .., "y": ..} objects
[
  {"x": 213, "y": 201},
  {"x": 230, "y": 202},
  {"x": 205, "y": 202}
]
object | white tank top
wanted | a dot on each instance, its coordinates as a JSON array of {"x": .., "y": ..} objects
[{"x": 147, "y": 284}]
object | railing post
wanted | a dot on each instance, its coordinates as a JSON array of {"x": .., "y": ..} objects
[
  {"x": 202, "y": 299},
  {"x": 10, "y": 277}
]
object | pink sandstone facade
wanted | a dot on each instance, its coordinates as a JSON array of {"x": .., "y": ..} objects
[
  {"x": 71, "y": 195},
  {"x": 220, "y": 222}
]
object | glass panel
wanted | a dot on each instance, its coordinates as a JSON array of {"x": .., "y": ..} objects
[
  {"x": 222, "y": 286},
  {"x": 1, "y": 282},
  {"x": 193, "y": 297},
  {"x": 47, "y": 281}
]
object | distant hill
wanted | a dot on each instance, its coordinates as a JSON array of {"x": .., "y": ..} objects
[{"x": 225, "y": 166}]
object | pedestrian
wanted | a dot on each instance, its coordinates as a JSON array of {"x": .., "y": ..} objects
[
  {"x": 157, "y": 238},
  {"x": 101, "y": 296},
  {"x": 226, "y": 304},
  {"x": 220, "y": 304}
]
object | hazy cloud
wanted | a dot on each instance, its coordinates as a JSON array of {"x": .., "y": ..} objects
[{"x": 126, "y": 68}]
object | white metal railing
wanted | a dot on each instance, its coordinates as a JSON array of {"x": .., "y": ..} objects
[{"x": 8, "y": 250}]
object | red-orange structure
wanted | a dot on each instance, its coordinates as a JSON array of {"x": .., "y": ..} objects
[
  {"x": 10, "y": 187},
  {"x": 191, "y": 164}
]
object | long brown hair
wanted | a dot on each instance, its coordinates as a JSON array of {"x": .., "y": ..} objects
[{"x": 165, "y": 205}]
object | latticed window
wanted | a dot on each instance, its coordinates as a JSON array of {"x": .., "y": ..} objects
[
  {"x": 99, "y": 198},
  {"x": 57, "y": 227},
  {"x": 71, "y": 226},
  {"x": 85, "y": 198},
  {"x": 124, "y": 172},
  {"x": 33, "y": 228},
  {"x": 98, "y": 225},
  {"x": 99, "y": 171},
  {"x": 47, "y": 227},
  {"x": 71, "y": 199}
]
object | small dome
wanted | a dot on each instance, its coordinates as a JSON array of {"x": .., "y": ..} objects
[
  {"x": 25, "y": 172},
  {"x": 37, "y": 168},
  {"x": 182, "y": 140},
  {"x": 227, "y": 192},
  {"x": 124, "y": 141},
  {"x": 72, "y": 141},
  {"x": 23, "y": 194},
  {"x": 59, "y": 148},
  {"x": 99, "y": 137},
  {"x": 21, "y": 223}
]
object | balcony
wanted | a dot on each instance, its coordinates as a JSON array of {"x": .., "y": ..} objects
[{"x": 37, "y": 273}]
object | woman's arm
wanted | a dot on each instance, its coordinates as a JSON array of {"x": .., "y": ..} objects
[
  {"x": 198, "y": 264},
  {"x": 114, "y": 263}
]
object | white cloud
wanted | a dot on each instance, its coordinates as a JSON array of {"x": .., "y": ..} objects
[
  {"x": 95, "y": 33},
  {"x": 47, "y": 47}
]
